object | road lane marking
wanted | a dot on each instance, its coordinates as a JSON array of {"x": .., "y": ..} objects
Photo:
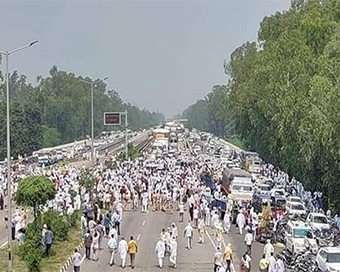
[
  {"x": 3, "y": 245},
  {"x": 211, "y": 240},
  {"x": 147, "y": 212},
  {"x": 138, "y": 237},
  {"x": 81, "y": 261},
  {"x": 143, "y": 223}
]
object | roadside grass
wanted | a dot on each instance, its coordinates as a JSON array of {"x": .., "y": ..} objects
[{"x": 61, "y": 251}]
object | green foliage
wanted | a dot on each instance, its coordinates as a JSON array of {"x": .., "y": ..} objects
[
  {"x": 211, "y": 114},
  {"x": 57, "y": 111},
  {"x": 283, "y": 95},
  {"x": 133, "y": 153},
  {"x": 87, "y": 181},
  {"x": 74, "y": 219},
  {"x": 35, "y": 191},
  {"x": 31, "y": 251},
  {"x": 59, "y": 223},
  {"x": 51, "y": 136}
]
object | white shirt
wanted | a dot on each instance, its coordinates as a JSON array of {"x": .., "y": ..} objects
[
  {"x": 76, "y": 259},
  {"x": 218, "y": 258},
  {"x": 248, "y": 239},
  {"x": 195, "y": 213},
  {"x": 188, "y": 231}
]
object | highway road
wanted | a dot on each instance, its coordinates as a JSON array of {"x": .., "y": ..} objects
[{"x": 146, "y": 229}]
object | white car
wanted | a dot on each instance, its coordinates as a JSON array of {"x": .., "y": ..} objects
[
  {"x": 294, "y": 199},
  {"x": 263, "y": 189},
  {"x": 295, "y": 208},
  {"x": 328, "y": 259},
  {"x": 296, "y": 234},
  {"x": 318, "y": 221}
]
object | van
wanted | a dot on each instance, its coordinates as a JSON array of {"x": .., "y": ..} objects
[{"x": 295, "y": 235}]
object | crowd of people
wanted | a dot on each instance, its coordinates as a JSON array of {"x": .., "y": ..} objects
[{"x": 166, "y": 186}]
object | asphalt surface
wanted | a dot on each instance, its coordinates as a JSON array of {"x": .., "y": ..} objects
[{"x": 146, "y": 229}]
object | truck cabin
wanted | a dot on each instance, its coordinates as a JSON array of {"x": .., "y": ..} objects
[{"x": 232, "y": 175}]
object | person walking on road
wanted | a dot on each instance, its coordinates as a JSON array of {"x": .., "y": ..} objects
[
  {"x": 268, "y": 249},
  {"x": 116, "y": 220},
  {"x": 226, "y": 222},
  {"x": 272, "y": 263},
  {"x": 132, "y": 249},
  {"x": 76, "y": 258},
  {"x": 123, "y": 250},
  {"x": 160, "y": 251},
  {"x": 83, "y": 224},
  {"x": 87, "y": 243},
  {"x": 112, "y": 246},
  {"x": 248, "y": 239},
  {"x": 245, "y": 263},
  {"x": 189, "y": 233},
  {"x": 181, "y": 211},
  {"x": 107, "y": 224},
  {"x": 201, "y": 231},
  {"x": 228, "y": 257},
  {"x": 173, "y": 251},
  {"x": 240, "y": 220},
  {"x": 217, "y": 259},
  {"x": 48, "y": 239},
  {"x": 263, "y": 265},
  {"x": 95, "y": 246}
]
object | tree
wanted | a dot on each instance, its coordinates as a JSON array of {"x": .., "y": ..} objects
[
  {"x": 57, "y": 111},
  {"x": 51, "y": 136},
  {"x": 283, "y": 95},
  {"x": 34, "y": 192}
]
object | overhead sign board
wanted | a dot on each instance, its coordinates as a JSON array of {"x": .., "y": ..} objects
[{"x": 112, "y": 118}]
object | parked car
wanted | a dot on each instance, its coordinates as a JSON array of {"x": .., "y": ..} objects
[
  {"x": 318, "y": 221},
  {"x": 294, "y": 199},
  {"x": 295, "y": 235},
  {"x": 295, "y": 208},
  {"x": 328, "y": 259}
]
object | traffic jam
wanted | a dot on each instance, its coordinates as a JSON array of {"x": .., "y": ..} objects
[{"x": 276, "y": 207}]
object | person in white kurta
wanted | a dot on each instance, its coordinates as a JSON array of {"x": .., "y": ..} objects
[
  {"x": 226, "y": 222},
  {"x": 280, "y": 266},
  {"x": 160, "y": 251},
  {"x": 272, "y": 263},
  {"x": 268, "y": 249},
  {"x": 173, "y": 251},
  {"x": 240, "y": 220},
  {"x": 122, "y": 250}
]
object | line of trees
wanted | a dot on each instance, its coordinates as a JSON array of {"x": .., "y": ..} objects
[
  {"x": 57, "y": 111},
  {"x": 283, "y": 95}
]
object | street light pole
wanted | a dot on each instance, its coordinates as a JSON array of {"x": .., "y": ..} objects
[
  {"x": 92, "y": 83},
  {"x": 9, "y": 189},
  {"x": 92, "y": 130},
  {"x": 126, "y": 137}
]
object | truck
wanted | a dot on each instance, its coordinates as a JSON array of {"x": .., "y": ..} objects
[
  {"x": 237, "y": 185},
  {"x": 251, "y": 162}
]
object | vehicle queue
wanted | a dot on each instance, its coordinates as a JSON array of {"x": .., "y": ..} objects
[{"x": 276, "y": 207}]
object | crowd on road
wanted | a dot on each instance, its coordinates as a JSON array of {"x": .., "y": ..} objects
[{"x": 168, "y": 185}]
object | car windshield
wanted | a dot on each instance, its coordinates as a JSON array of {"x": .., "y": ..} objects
[
  {"x": 264, "y": 188},
  {"x": 280, "y": 202},
  {"x": 320, "y": 220},
  {"x": 298, "y": 207},
  {"x": 280, "y": 193},
  {"x": 296, "y": 200},
  {"x": 247, "y": 188},
  {"x": 300, "y": 232},
  {"x": 333, "y": 258}
]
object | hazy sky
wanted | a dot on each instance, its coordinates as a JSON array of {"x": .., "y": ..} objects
[{"x": 162, "y": 55}]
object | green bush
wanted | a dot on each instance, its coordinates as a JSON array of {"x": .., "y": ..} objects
[
  {"x": 31, "y": 251},
  {"x": 59, "y": 224},
  {"x": 74, "y": 219}
]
